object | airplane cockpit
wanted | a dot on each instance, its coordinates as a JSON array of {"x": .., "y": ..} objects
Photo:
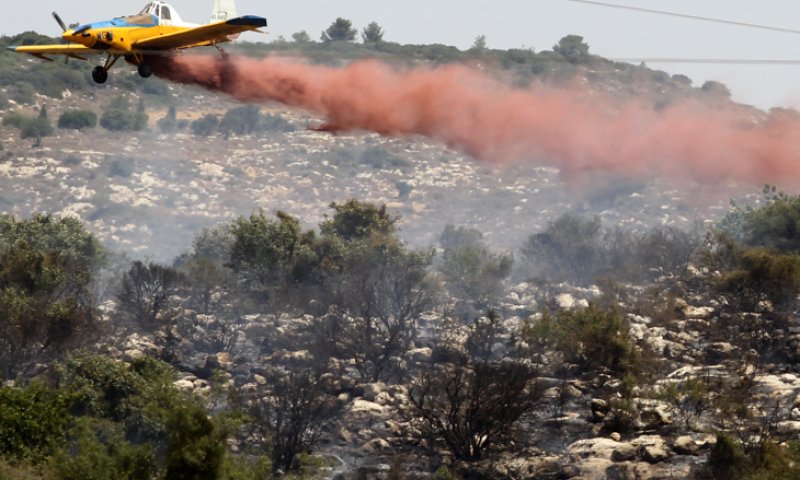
[{"x": 166, "y": 14}]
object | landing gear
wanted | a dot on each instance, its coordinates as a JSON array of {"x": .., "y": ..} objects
[
  {"x": 145, "y": 70},
  {"x": 222, "y": 52},
  {"x": 100, "y": 75}
]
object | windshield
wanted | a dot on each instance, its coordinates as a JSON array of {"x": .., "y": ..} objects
[
  {"x": 149, "y": 8},
  {"x": 141, "y": 19}
]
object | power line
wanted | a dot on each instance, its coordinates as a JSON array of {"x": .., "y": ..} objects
[
  {"x": 687, "y": 16},
  {"x": 719, "y": 61}
]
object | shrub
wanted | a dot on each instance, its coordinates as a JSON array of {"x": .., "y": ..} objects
[
  {"x": 205, "y": 126},
  {"x": 594, "y": 339},
  {"x": 117, "y": 120},
  {"x": 77, "y": 120},
  {"x": 33, "y": 421}
]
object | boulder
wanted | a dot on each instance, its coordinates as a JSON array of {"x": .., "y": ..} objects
[
  {"x": 685, "y": 445},
  {"x": 625, "y": 452},
  {"x": 654, "y": 454},
  {"x": 133, "y": 355}
]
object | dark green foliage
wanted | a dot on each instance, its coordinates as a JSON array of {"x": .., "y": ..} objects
[
  {"x": 373, "y": 33},
  {"x": 763, "y": 275},
  {"x": 570, "y": 249},
  {"x": 716, "y": 89},
  {"x": 243, "y": 120},
  {"x": 729, "y": 460},
  {"x": 35, "y": 128},
  {"x": 594, "y": 339},
  {"x": 572, "y": 48},
  {"x": 758, "y": 252},
  {"x": 77, "y": 119},
  {"x": 195, "y": 445},
  {"x": 203, "y": 127},
  {"x": 33, "y": 422},
  {"x": 97, "y": 450},
  {"x": 121, "y": 167},
  {"x": 471, "y": 271},
  {"x": 341, "y": 30},
  {"x": 46, "y": 305},
  {"x": 355, "y": 220},
  {"x": 579, "y": 250},
  {"x": 117, "y": 120},
  {"x": 145, "y": 292},
  {"x": 301, "y": 37},
  {"x": 273, "y": 253}
]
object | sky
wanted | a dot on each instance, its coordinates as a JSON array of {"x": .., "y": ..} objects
[{"x": 537, "y": 24}]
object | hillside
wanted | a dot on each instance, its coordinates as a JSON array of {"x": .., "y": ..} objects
[{"x": 194, "y": 287}]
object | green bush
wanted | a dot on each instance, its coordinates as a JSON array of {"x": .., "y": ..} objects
[
  {"x": 117, "y": 120},
  {"x": 77, "y": 120},
  {"x": 121, "y": 167},
  {"x": 203, "y": 127},
  {"x": 33, "y": 422},
  {"x": 595, "y": 339}
]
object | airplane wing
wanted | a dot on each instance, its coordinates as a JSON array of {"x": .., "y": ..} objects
[
  {"x": 203, "y": 35},
  {"x": 40, "y": 51}
]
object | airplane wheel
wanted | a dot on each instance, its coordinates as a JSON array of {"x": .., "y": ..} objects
[
  {"x": 145, "y": 70},
  {"x": 100, "y": 75}
]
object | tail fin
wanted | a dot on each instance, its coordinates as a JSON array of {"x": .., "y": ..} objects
[{"x": 223, "y": 10}]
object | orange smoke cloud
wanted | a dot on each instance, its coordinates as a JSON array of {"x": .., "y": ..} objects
[{"x": 576, "y": 129}]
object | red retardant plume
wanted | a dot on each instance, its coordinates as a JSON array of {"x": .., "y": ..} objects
[{"x": 575, "y": 129}]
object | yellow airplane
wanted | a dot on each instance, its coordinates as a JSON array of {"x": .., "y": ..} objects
[{"x": 156, "y": 30}]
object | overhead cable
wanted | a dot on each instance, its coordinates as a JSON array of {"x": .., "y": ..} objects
[{"x": 688, "y": 16}]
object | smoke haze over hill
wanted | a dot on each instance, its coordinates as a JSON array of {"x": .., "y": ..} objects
[{"x": 576, "y": 129}]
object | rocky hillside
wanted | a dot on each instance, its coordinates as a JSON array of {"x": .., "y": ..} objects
[{"x": 611, "y": 328}]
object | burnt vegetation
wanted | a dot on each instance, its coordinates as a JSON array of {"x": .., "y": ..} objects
[{"x": 284, "y": 333}]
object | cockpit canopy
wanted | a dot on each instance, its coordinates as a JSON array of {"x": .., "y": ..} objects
[{"x": 164, "y": 12}]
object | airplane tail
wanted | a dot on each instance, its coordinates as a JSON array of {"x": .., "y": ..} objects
[{"x": 223, "y": 10}]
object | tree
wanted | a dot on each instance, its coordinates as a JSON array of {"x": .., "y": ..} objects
[
  {"x": 472, "y": 406},
  {"x": 77, "y": 120},
  {"x": 47, "y": 307},
  {"x": 145, "y": 292},
  {"x": 372, "y": 34},
  {"x": 472, "y": 272},
  {"x": 572, "y": 48},
  {"x": 479, "y": 46},
  {"x": 242, "y": 120},
  {"x": 301, "y": 37},
  {"x": 594, "y": 339},
  {"x": 356, "y": 220},
  {"x": 716, "y": 89},
  {"x": 293, "y": 414},
  {"x": 195, "y": 447},
  {"x": 205, "y": 126},
  {"x": 569, "y": 249},
  {"x": 117, "y": 120},
  {"x": 170, "y": 120},
  {"x": 379, "y": 286},
  {"x": 31, "y": 127},
  {"x": 382, "y": 289},
  {"x": 271, "y": 254},
  {"x": 37, "y": 129},
  {"x": 341, "y": 30}
]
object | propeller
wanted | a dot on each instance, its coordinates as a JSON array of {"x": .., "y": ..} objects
[
  {"x": 63, "y": 29},
  {"x": 60, "y": 22}
]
